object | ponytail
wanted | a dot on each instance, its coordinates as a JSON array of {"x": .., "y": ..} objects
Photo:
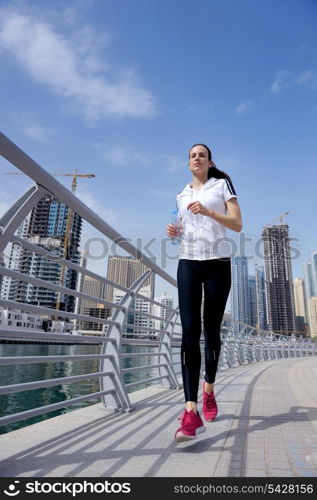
[{"x": 218, "y": 174}]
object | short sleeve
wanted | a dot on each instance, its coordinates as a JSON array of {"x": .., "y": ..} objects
[{"x": 228, "y": 190}]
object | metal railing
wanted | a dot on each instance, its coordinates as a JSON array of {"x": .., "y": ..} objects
[{"x": 241, "y": 344}]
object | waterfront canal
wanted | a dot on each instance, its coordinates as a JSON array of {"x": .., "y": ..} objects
[{"x": 16, "y": 374}]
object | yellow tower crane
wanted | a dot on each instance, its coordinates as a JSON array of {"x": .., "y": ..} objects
[{"x": 69, "y": 223}]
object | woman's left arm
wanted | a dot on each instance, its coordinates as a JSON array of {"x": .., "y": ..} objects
[{"x": 232, "y": 219}]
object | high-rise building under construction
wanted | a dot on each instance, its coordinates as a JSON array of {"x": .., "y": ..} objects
[
  {"x": 278, "y": 279},
  {"x": 46, "y": 227}
]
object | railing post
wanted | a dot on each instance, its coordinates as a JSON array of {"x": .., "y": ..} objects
[
  {"x": 235, "y": 351},
  {"x": 244, "y": 352},
  {"x": 253, "y": 350},
  {"x": 114, "y": 349},
  {"x": 224, "y": 355},
  {"x": 166, "y": 350},
  {"x": 260, "y": 348}
]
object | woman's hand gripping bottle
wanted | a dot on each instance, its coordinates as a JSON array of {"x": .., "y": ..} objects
[{"x": 175, "y": 227}]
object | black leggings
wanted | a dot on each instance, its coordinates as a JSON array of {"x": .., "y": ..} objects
[{"x": 215, "y": 276}]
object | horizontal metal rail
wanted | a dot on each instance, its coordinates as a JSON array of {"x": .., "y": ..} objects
[
  {"x": 148, "y": 315},
  {"x": 23, "y": 415},
  {"x": 146, "y": 381},
  {"x": 28, "y": 360},
  {"x": 145, "y": 298},
  {"x": 53, "y": 337},
  {"x": 142, "y": 354},
  {"x": 144, "y": 367},
  {"x": 132, "y": 326},
  {"x": 29, "y": 386},
  {"x": 137, "y": 341},
  {"x": 52, "y": 286},
  {"x": 10, "y": 304},
  {"x": 133, "y": 337},
  {"x": 71, "y": 265}
]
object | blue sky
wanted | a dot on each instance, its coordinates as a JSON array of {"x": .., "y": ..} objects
[{"x": 123, "y": 88}]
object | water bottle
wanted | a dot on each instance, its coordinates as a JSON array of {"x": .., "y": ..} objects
[{"x": 176, "y": 222}]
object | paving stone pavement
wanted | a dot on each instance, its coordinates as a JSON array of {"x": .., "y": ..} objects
[{"x": 267, "y": 426}]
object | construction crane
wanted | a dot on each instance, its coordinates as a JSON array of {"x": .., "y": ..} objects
[
  {"x": 74, "y": 176},
  {"x": 69, "y": 223},
  {"x": 280, "y": 218}
]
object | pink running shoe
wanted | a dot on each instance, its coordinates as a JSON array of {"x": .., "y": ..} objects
[
  {"x": 191, "y": 425},
  {"x": 210, "y": 408}
]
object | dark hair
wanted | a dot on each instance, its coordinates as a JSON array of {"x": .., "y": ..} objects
[{"x": 213, "y": 171}]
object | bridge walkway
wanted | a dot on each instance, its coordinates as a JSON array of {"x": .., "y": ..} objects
[{"x": 267, "y": 426}]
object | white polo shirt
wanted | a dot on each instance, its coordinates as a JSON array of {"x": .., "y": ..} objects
[{"x": 202, "y": 237}]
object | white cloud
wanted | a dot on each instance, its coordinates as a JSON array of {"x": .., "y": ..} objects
[
  {"x": 73, "y": 70},
  {"x": 282, "y": 80},
  {"x": 276, "y": 86},
  {"x": 38, "y": 133},
  {"x": 308, "y": 77},
  {"x": 243, "y": 108},
  {"x": 121, "y": 155},
  {"x": 30, "y": 125}
]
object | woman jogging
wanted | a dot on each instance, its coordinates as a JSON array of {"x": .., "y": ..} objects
[{"x": 206, "y": 207}]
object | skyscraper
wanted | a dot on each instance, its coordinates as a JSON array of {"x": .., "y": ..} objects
[
  {"x": 300, "y": 306},
  {"x": 94, "y": 288},
  {"x": 312, "y": 311},
  {"x": 260, "y": 297},
  {"x": 240, "y": 296},
  {"x": 278, "y": 278},
  {"x": 309, "y": 279},
  {"x": 15, "y": 255},
  {"x": 314, "y": 271},
  {"x": 253, "y": 301},
  {"x": 144, "y": 306},
  {"x": 165, "y": 312},
  {"x": 125, "y": 271},
  {"x": 299, "y": 298},
  {"x": 46, "y": 227}
]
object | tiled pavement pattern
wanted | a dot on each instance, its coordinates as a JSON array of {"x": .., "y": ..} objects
[{"x": 267, "y": 426}]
